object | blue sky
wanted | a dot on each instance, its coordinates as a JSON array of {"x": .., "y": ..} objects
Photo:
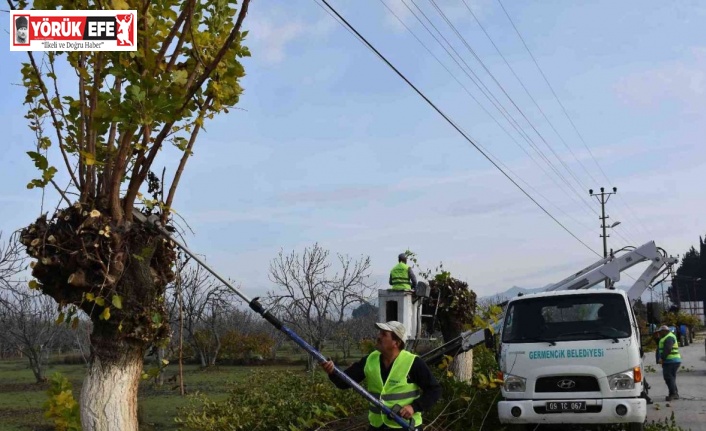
[{"x": 331, "y": 146}]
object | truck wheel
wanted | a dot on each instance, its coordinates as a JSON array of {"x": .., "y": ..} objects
[{"x": 636, "y": 426}]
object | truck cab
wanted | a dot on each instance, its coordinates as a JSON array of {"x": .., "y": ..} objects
[{"x": 571, "y": 356}]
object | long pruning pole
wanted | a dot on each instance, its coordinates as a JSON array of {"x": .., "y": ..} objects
[{"x": 153, "y": 221}]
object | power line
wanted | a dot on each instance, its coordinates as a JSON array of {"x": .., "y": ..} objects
[
  {"x": 552, "y": 90},
  {"x": 465, "y": 3},
  {"x": 457, "y": 128},
  {"x": 493, "y": 118},
  {"x": 512, "y": 101},
  {"x": 563, "y": 108},
  {"x": 497, "y": 104}
]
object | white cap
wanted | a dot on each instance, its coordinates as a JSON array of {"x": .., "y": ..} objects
[
  {"x": 663, "y": 328},
  {"x": 394, "y": 326}
]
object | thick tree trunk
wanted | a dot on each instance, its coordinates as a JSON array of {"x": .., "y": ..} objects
[
  {"x": 109, "y": 393},
  {"x": 462, "y": 366}
]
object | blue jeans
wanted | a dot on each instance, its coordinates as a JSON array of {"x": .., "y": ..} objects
[{"x": 669, "y": 371}]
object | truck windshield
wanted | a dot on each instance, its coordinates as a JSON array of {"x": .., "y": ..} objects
[{"x": 567, "y": 318}]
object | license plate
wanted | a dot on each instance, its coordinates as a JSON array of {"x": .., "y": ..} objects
[{"x": 566, "y": 406}]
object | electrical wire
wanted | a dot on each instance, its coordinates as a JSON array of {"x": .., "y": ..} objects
[
  {"x": 452, "y": 123},
  {"x": 512, "y": 101},
  {"x": 494, "y": 119},
  {"x": 566, "y": 113},
  {"x": 529, "y": 94},
  {"x": 496, "y": 103},
  {"x": 475, "y": 18}
]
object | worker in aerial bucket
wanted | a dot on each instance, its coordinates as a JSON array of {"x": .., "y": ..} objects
[
  {"x": 394, "y": 375},
  {"x": 401, "y": 276}
]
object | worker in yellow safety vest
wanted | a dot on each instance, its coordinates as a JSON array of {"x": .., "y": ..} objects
[
  {"x": 401, "y": 276},
  {"x": 668, "y": 355},
  {"x": 395, "y": 376}
]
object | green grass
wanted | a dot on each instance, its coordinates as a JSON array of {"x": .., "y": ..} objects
[{"x": 21, "y": 399}]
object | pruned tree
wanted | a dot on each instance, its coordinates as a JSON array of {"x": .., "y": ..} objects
[
  {"x": 453, "y": 305},
  {"x": 456, "y": 309},
  {"x": 313, "y": 296},
  {"x": 123, "y": 110}
]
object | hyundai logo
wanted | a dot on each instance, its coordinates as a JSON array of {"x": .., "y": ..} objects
[{"x": 566, "y": 384}]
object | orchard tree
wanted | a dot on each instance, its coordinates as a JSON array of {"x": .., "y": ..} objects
[
  {"x": 28, "y": 322},
  {"x": 314, "y": 295},
  {"x": 101, "y": 127}
]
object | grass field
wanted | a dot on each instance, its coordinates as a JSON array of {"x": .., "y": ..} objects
[{"x": 21, "y": 399}]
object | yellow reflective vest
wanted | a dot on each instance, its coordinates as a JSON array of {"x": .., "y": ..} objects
[
  {"x": 674, "y": 355},
  {"x": 399, "y": 276},
  {"x": 395, "y": 390}
]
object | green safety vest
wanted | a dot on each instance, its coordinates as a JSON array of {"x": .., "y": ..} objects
[
  {"x": 395, "y": 390},
  {"x": 400, "y": 277},
  {"x": 674, "y": 355}
]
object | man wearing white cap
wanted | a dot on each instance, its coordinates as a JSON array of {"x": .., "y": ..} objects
[
  {"x": 668, "y": 355},
  {"x": 395, "y": 376}
]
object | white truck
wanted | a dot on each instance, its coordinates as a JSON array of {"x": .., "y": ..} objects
[{"x": 572, "y": 354}]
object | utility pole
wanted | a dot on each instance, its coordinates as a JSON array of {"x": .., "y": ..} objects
[{"x": 603, "y": 197}]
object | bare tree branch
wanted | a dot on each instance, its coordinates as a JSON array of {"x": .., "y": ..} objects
[
  {"x": 12, "y": 261},
  {"x": 311, "y": 299}
]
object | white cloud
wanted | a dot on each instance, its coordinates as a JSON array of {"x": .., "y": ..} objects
[
  {"x": 683, "y": 81},
  {"x": 274, "y": 32},
  {"x": 273, "y": 37}
]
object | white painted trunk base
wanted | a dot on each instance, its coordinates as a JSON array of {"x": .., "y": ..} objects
[
  {"x": 462, "y": 366},
  {"x": 109, "y": 395}
]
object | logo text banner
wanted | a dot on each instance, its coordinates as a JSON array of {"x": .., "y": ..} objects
[{"x": 73, "y": 30}]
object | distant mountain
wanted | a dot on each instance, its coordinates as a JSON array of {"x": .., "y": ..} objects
[{"x": 512, "y": 292}]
